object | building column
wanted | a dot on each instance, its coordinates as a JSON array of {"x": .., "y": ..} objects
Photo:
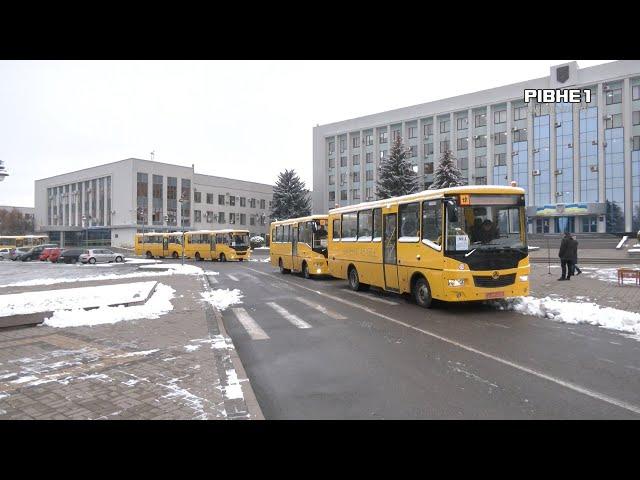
[
  {"x": 576, "y": 152},
  {"x": 553, "y": 160},
  {"x": 530, "y": 137},
  {"x": 149, "y": 219},
  {"x": 179, "y": 205},
  {"x": 509, "y": 143},
  {"x": 489, "y": 142},
  {"x": 436, "y": 142},
  {"x": 628, "y": 145},
  {"x": 89, "y": 221},
  {"x": 471, "y": 150},
  {"x": 165, "y": 211},
  {"x": 105, "y": 212},
  {"x": 601, "y": 149}
]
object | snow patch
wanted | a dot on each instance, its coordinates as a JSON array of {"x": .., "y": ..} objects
[
  {"x": 192, "y": 348},
  {"x": 233, "y": 389},
  {"x": 222, "y": 298},
  {"x": 159, "y": 304}
]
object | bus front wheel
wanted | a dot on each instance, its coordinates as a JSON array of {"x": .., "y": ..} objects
[
  {"x": 305, "y": 270},
  {"x": 422, "y": 293},
  {"x": 354, "y": 280},
  {"x": 223, "y": 258},
  {"x": 149, "y": 255},
  {"x": 198, "y": 257},
  {"x": 174, "y": 254},
  {"x": 282, "y": 269}
]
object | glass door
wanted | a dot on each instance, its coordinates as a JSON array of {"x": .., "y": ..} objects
[{"x": 390, "y": 250}]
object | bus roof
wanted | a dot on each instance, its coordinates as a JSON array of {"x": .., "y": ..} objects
[
  {"x": 433, "y": 194},
  {"x": 227, "y": 230},
  {"x": 300, "y": 219}
]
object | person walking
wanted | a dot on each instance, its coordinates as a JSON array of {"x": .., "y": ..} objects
[
  {"x": 576, "y": 268},
  {"x": 568, "y": 251}
]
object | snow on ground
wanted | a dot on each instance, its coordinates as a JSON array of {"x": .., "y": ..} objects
[
  {"x": 575, "y": 312},
  {"x": 262, "y": 260},
  {"x": 167, "y": 269},
  {"x": 73, "y": 298},
  {"x": 222, "y": 297},
  {"x": 607, "y": 274},
  {"x": 157, "y": 305}
]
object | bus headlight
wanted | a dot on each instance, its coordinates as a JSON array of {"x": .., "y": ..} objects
[
  {"x": 524, "y": 278},
  {"x": 458, "y": 282}
]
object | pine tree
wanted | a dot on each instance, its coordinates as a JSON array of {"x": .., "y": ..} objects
[
  {"x": 615, "y": 218},
  {"x": 395, "y": 173},
  {"x": 290, "y": 197},
  {"x": 447, "y": 173}
]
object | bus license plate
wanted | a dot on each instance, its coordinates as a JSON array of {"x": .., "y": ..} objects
[{"x": 495, "y": 295}]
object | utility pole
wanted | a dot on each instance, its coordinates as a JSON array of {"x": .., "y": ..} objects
[{"x": 182, "y": 200}]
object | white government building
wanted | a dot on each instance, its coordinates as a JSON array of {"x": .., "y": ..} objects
[{"x": 108, "y": 204}]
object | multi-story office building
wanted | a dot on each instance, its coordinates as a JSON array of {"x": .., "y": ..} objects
[
  {"x": 579, "y": 162},
  {"x": 110, "y": 203}
]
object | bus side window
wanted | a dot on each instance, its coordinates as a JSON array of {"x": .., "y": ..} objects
[
  {"x": 377, "y": 224},
  {"x": 432, "y": 221},
  {"x": 409, "y": 223},
  {"x": 336, "y": 229},
  {"x": 364, "y": 225}
]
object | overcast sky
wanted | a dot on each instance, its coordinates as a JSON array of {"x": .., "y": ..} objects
[{"x": 239, "y": 119}]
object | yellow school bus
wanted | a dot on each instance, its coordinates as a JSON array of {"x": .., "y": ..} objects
[
  {"x": 159, "y": 244},
  {"x": 300, "y": 245},
  {"x": 15, "y": 241},
  {"x": 453, "y": 244},
  {"x": 222, "y": 245}
]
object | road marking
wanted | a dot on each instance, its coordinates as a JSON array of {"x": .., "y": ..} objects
[
  {"x": 212, "y": 279},
  {"x": 298, "y": 322},
  {"x": 571, "y": 386},
  {"x": 232, "y": 277},
  {"x": 606, "y": 360},
  {"x": 373, "y": 297},
  {"x": 250, "y": 325},
  {"x": 320, "y": 308}
]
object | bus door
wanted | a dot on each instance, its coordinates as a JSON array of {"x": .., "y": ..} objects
[
  {"x": 212, "y": 240},
  {"x": 294, "y": 246},
  {"x": 165, "y": 246},
  {"x": 390, "y": 250}
]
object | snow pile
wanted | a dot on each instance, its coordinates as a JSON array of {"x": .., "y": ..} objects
[
  {"x": 159, "y": 304},
  {"x": 262, "y": 260},
  {"x": 175, "y": 268},
  {"x": 233, "y": 389},
  {"x": 73, "y": 298},
  {"x": 575, "y": 312},
  {"x": 222, "y": 298}
]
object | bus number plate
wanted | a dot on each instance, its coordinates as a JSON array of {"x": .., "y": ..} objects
[{"x": 495, "y": 295}]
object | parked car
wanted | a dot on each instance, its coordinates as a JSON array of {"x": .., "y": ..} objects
[
  {"x": 35, "y": 252},
  {"x": 17, "y": 252},
  {"x": 46, "y": 253},
  {"x": 100, "y": 255},
  {"x": 54, "y": 255},
  {"x": 5, "y": 253},
  {"x": 69, "y": 255}
]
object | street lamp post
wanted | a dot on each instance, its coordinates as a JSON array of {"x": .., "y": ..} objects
[
  {"x": 84, "y": 225},
  {"x": 140, "y": 212},
  {"x": 182, "y": 200}
]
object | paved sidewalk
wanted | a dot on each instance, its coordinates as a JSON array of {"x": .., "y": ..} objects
[
  {"x": 584, "y": 287},
  {"x": 178, "y": 366}
]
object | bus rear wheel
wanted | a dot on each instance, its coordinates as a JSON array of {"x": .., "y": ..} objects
[
  {"x": 149, "y": 255},
  {"x": 198, "y": 258},
  {"x": 282, "y": 269},
  {"x": 174, "y": 255},
  {"x": 354, "y": 281},
  {"x": 223, "y": 258},
  {"x": 422, "y": 293}
]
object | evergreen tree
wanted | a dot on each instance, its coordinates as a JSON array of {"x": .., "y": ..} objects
[
  {"x": 290, "y": 197},
  {"x": 395, "y": 174},
  {"x": 447, "y": 173},
  {"x": 615, "y": 219}
]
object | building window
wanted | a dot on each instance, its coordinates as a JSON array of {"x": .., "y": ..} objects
[
  {"x": 462, "y": 123},
  {"x": 197, "y": 197},
  {"x": 395, "y": 135},
  {"x": 413, "y": 132},
  {"x": 343, "y": 161},
  {"x": 463, "y": 163},
  {"x": 635, "y": 92},
  {"x": 332, "y": 196},
  {"x": 383, "y": 154},
  {"x": 500, "y": 138},
  {"x": 197, "y": 214},
  {"x": 520, "y": 135},
  {"x": 481, "y": 161},
  {"x": 444, "y": 126},
  {"x": 252, "y": 203},
  {"x": 186, "y": 205},
  {"x": 356, "y": 177},
  {"x": 343, "y": 194},
  {"x": 481, "y": 180},
  {"x": 343, "y": 179},
  {"x": 262, "y": 204},
  {"x": 210, "y": 198},
  {"x": 355, "y": 194},
  {"x": 368, "y": 193},
  {"x": 332, "y": 179},
  {"x": 209, "y": 217},
  {"x": 157, "y": 200},
  {"x": 500, "y": 159},
  {"x": 356, "y": 160},
  {"x": 614, "y": 96},
  {"x": 428, "y": 168},
  {"x": 463, "y": 143},
  {"x": 252, "y": 220},
  {"x": 343, "y": 144},
  {"x": 232, "y": 200},
  {"x": 243, "y": 202},
  {"x": 369, "y": 175},
  {"x": 221, "y": 217},
  {"x": 355, "y": 141},
  {"x": 142, "y": 195},
  {"x": 243, "y": 219},
  {"x": 232, "y": 218},
  {"x": 481, "y": 120},
  {"x": 500, "y": 116},
  {"x": 413, "y": 151},
  {"x": 636, "y": 117},
  {"x": 480, "y": 141},
  {"x": 332, "y": 163},
  {"x": 172, "y": 200},
  {"x": 369, "y": 157},
  {"x": 519, "y": 113},
  {"x": 383, "y": 137},
  {"x": 220, "y": 199},
  {"x": 613, "y": 121},
  {"x": 428, "y": 149},
  {"x": 428, "y": 130},
  {"x": 636, "y": 143},
  {"x": 332, "y": 147},
  {"x": 368, "y": 139},
  {"x": 444, "y": 146}
]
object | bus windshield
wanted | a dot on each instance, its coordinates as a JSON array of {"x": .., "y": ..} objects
[
  {"x": 486, "y": 227},
  {"x": 239, "y": 239},
  {"x": 319, "y": 235}
]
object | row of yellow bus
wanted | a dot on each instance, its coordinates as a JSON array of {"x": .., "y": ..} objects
[
  {"x": 222, "y": 245},
  {"x": 454, "y": 244},
  {"x": 16, "y": 241}
]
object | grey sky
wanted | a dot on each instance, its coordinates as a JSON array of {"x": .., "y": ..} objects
[{"x": 239, "y": 119}]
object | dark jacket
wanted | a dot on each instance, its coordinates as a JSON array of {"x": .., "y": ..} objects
[{"x": 568, "y": 249}]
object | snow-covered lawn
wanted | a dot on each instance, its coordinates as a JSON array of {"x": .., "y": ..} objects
[
  {"x": 565, "y": 311},
  {"x": 222, "y": 298},
  {"x": 73, "y": 298},
  {"x": 157, "y": 305}
]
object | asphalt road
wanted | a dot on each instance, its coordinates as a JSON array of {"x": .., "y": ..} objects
[{"x": 315, "y": 350}]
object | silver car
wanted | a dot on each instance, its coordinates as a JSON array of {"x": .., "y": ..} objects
[
  {"x": 100, "y": 255},
  {"x": 16, "y": 253},
  {"x": 5, "y": 253}
]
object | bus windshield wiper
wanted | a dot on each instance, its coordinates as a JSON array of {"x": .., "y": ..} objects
[{"x": 467, "y": 254}]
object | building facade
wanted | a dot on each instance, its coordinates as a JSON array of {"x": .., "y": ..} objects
[
  {"x": 579, "y": 162},
  {"x": 109, "y": 203}
]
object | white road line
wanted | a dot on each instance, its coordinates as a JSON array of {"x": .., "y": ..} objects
[
  {"x": 232, "y": 277},
  {"x": 320, "y": 308},
  {"x": 298, "y": 322},
  {"x": 571, "y": 386},
  {"x": 373, "y": 297},
  {"x": 250, "y": 325}
]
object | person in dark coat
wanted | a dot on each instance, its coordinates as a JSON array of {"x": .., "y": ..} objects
[
  {"x": 575, "y": 260},
  {"x": 568, "y": 252}
]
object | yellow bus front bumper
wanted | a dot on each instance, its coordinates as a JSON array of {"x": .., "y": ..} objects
[{"x": 461, "y": 286}]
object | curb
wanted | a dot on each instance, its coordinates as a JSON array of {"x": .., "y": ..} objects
[{"x": 250, "y": 399}]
